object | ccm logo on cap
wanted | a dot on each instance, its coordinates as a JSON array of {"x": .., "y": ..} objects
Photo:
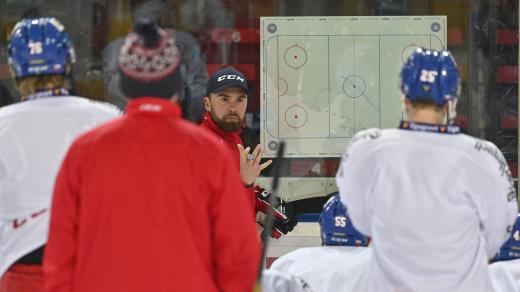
[{"x": 231, "y": 77}]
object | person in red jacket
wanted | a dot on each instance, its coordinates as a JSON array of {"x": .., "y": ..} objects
[
  {"x": 148, "y": 202},
  {"x": 225, "y": 103}
]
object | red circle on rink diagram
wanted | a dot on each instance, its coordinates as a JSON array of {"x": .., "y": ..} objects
[
  {"x": 295, "y": 57},
  {"x": 296, "y": 116}
]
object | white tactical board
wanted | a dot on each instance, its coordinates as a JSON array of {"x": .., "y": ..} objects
[{"x": 326, "y": 78}]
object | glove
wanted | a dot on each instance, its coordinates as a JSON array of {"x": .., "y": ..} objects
[{"x": 283, "y": 220}]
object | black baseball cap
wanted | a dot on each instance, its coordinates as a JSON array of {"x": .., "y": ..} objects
[{"x": 225, "y": 78}]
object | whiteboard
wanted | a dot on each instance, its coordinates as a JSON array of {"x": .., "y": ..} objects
[{"x": 325, "y": 78}]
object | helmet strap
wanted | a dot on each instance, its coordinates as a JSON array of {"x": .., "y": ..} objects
[
  {"x": 404, "y": 111},
  {"x": 451, "y": 112}
]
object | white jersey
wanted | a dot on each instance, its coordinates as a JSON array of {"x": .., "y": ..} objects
[
  {"x": 34, "y": 138},
  {"x": 278, "y": 281},
  {"x": 437, "y": 206},
  {"x": 506, "y": 275},
  {"x": 346, "y": 269},
  {"x": 329, "y": 268}
]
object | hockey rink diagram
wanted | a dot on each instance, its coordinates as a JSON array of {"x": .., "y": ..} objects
[{"x": 319, "y": 89}]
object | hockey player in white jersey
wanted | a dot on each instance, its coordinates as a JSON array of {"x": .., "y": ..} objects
[
  {"x": 340, "y": 265},
  {"x": 34, "y": 137},
  {"x": 437, "y": 204}
]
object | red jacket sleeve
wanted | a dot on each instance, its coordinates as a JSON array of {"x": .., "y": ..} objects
[
  {"x": 236, "y": 245},
  {"x": 59, "y": 259},
  {"x": 251, "y": 199}
]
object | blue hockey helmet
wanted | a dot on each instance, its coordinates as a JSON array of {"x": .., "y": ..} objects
[
  {"x": 510, "y": 250},
  {"x": 336, "y": 227},
  {"x": 430, "y": 75},
  {"x": 39, "y": 46}
]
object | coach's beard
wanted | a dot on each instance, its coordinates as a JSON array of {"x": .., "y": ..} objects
[{"x": 229, "y": 123}]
